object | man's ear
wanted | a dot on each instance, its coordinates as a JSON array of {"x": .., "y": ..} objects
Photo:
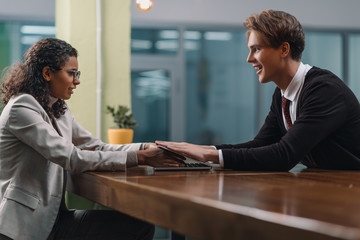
[
  {"x": 285, "y": 49},
  {"x": 46, "y": 73}
]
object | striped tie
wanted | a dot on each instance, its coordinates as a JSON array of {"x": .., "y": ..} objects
[{"x": 285, "y": 105}]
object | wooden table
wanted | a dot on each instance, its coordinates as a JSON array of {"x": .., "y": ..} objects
[{"x": 300, "y": 204}]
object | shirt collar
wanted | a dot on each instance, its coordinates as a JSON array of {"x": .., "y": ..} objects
[{"x": 296, "y": 83}]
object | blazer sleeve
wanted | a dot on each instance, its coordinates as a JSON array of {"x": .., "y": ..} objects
[
  {"x": 321, "y": 112},
  {"x": 84, "y": 140},
  {"x": 27, "y": 122}
]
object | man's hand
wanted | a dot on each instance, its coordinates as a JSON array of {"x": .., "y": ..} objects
[
  {"x": 198, "y": 152},
  {"x": 157, "y": 157}
]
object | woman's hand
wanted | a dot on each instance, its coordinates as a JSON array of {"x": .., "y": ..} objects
[
  {"x": 198, "y": 152},
  {"x": 157, "y": 157},
  {"x": 149, "y": 145}
]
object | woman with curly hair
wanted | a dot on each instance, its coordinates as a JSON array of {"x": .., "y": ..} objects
[{"x": 40, "y": 141}]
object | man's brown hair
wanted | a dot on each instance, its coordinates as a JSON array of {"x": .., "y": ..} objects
[{"x": 278, "y": 27}]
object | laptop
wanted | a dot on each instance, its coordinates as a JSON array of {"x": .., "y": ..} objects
[{"x": 190, "y": 164}]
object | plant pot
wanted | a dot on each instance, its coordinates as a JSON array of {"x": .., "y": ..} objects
[{"x": 120, "y": 135}]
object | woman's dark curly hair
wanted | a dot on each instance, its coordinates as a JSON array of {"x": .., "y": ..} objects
[{"x": 27, "y": 77}]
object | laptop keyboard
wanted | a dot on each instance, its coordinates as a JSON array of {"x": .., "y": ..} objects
[
  {"x": 195, "y": 165},
  {"x": 187, "y": 166}
]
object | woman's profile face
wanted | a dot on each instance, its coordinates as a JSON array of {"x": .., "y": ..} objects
[{"x": 63, "y": 82}]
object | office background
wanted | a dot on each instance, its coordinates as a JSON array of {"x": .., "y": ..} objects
[{"x": 182, "y": 65}]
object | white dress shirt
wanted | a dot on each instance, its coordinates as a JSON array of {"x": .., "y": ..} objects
[{"x": 292, "y": 92}]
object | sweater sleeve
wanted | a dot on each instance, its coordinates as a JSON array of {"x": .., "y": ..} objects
[{"x": 322, "y": 110}]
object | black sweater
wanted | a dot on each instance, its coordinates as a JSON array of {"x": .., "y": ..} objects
[{"x": 326, "y": 133}]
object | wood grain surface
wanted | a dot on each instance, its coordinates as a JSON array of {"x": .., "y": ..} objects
[{"x": 300, "y": 204}]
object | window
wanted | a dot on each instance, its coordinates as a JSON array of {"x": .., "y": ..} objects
[
  {"x": 220, "y": 88},
  {"x": 353, "y": 63},
  {"x": 154, "y": 41},
  {"x": 16, "y": 38},
  {"x": 324, "y": 50},
  {"x": 223, "y": 100},
  {"x": 150, "y": 100}
]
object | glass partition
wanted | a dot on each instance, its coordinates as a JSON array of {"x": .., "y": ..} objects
[
  {"x": 324, "y": 50},
  {"x": 150, "y": 93},
  {"x": 223, "y": 100},
  {"x": 154, "y": 41},
  {"x": 17, "y": 37},
  {"x": 354, "y": 69},
  {"x": 221, "y": 104}
]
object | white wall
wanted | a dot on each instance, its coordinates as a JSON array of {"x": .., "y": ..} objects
[
  {"x": 29, "y": 10},
  {"x": 311, "y": 13}
]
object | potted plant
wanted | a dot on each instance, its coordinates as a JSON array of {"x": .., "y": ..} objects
[{"x": 125, "y": 123}]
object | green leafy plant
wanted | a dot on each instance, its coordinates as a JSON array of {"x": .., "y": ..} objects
[{"x": 122, "y": 117}]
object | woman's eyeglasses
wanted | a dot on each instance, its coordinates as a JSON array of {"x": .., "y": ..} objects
[{"x": 75, "y": 73}]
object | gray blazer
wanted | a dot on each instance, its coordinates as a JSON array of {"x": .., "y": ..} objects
[{"x": 33, "y": 156}]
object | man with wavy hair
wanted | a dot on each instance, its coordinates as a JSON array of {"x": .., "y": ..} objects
[{"x": 314, "y": 117}]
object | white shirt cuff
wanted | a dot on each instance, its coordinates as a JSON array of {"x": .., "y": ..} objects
[{"x": 221, "y": 159}]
